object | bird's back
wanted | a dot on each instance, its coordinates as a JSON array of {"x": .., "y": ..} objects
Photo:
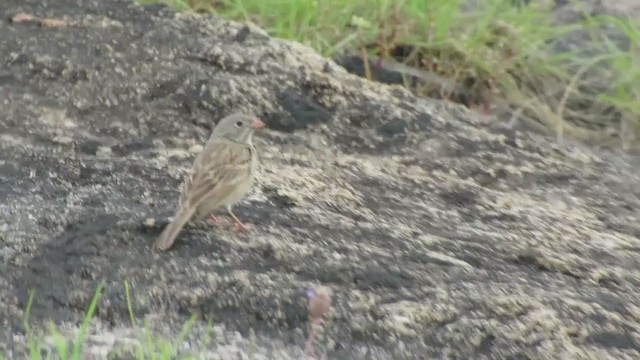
[{"x": 231, "y": 169}]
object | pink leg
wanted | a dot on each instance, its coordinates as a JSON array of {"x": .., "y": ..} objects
[
  {"x": 239, "y": 225},
  {"x": 215, "y": 220},
  {"x": 243, "y": 227}
]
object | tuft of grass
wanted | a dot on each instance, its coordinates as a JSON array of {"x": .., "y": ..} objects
[
  {"x": 154, "y": 347},
  {"x": 495, "y": 53},
  {"x": 35, "y": 340}
]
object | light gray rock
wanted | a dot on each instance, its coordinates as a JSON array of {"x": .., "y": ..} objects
[{"x": 440, "y": 238}]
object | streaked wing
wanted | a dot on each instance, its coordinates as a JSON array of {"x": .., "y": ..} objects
[{"x": 217, "y": 170}]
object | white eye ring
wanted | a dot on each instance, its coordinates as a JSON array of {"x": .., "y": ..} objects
[{"x": 238, "y": 124}]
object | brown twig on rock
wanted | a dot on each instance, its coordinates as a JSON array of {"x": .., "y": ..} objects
[{"x": 319, "y": 305}]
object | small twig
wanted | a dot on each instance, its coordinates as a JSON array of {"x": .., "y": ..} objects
[
  {"x": 365, "y": 63},
  {"x": 571, "y": 88},
  {"x": 319, "y": 305},
  {"x": 308, "y": 348},
  {"x": 428, "y": 77},
  {"x": 626, "y": 134},
  {"x": 24, "y": 18}
]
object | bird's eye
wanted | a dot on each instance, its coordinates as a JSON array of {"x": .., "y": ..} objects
[{"x": 239, "y": 123}]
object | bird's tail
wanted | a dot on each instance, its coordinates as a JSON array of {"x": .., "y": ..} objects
[{"x": 169, "y": 234}]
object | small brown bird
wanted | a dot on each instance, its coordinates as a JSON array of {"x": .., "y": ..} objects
[{"x": 221, "y": 175}]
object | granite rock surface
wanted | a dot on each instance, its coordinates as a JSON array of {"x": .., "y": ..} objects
[{"x": 440, "y": 237}]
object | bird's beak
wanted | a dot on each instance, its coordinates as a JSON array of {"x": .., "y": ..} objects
[{"x": 257, "y": 124}]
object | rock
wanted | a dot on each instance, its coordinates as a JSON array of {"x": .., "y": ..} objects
[
  {"x": 443, "y": 243},
  {"x": 393, "y": 127}
]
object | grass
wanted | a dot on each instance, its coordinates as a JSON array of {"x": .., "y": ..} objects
[
  {"x": 35, "y": 342},
  {"x": 496, "y": 54},
  {"x": 153, "y": 347},
  {"x": 64, "y": 348}
]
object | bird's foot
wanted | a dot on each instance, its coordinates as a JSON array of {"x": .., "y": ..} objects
[
  {"x": 240, "y": 227},
  {"x": 216, "y": 220}
]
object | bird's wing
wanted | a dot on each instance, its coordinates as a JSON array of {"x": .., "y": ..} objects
[{"x": 216, "y": 170}]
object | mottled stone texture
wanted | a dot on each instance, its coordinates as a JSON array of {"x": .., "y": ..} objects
[{"x": 439, "y": 236}]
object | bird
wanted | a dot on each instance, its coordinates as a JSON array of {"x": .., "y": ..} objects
[{"x": 221, "y": 175}]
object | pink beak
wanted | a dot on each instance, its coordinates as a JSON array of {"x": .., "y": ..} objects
[{"x": 257, "y": 124}]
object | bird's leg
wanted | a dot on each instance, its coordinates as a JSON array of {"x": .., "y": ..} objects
[
  {"x": 239, "y": 225},
  {"x": 215, "y": 220}
]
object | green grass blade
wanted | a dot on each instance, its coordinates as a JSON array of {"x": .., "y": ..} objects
[
  {"x": 127, "y": 294},
  {"x": 77, "y": 346},
  {"x": 59, "y": 341}
]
